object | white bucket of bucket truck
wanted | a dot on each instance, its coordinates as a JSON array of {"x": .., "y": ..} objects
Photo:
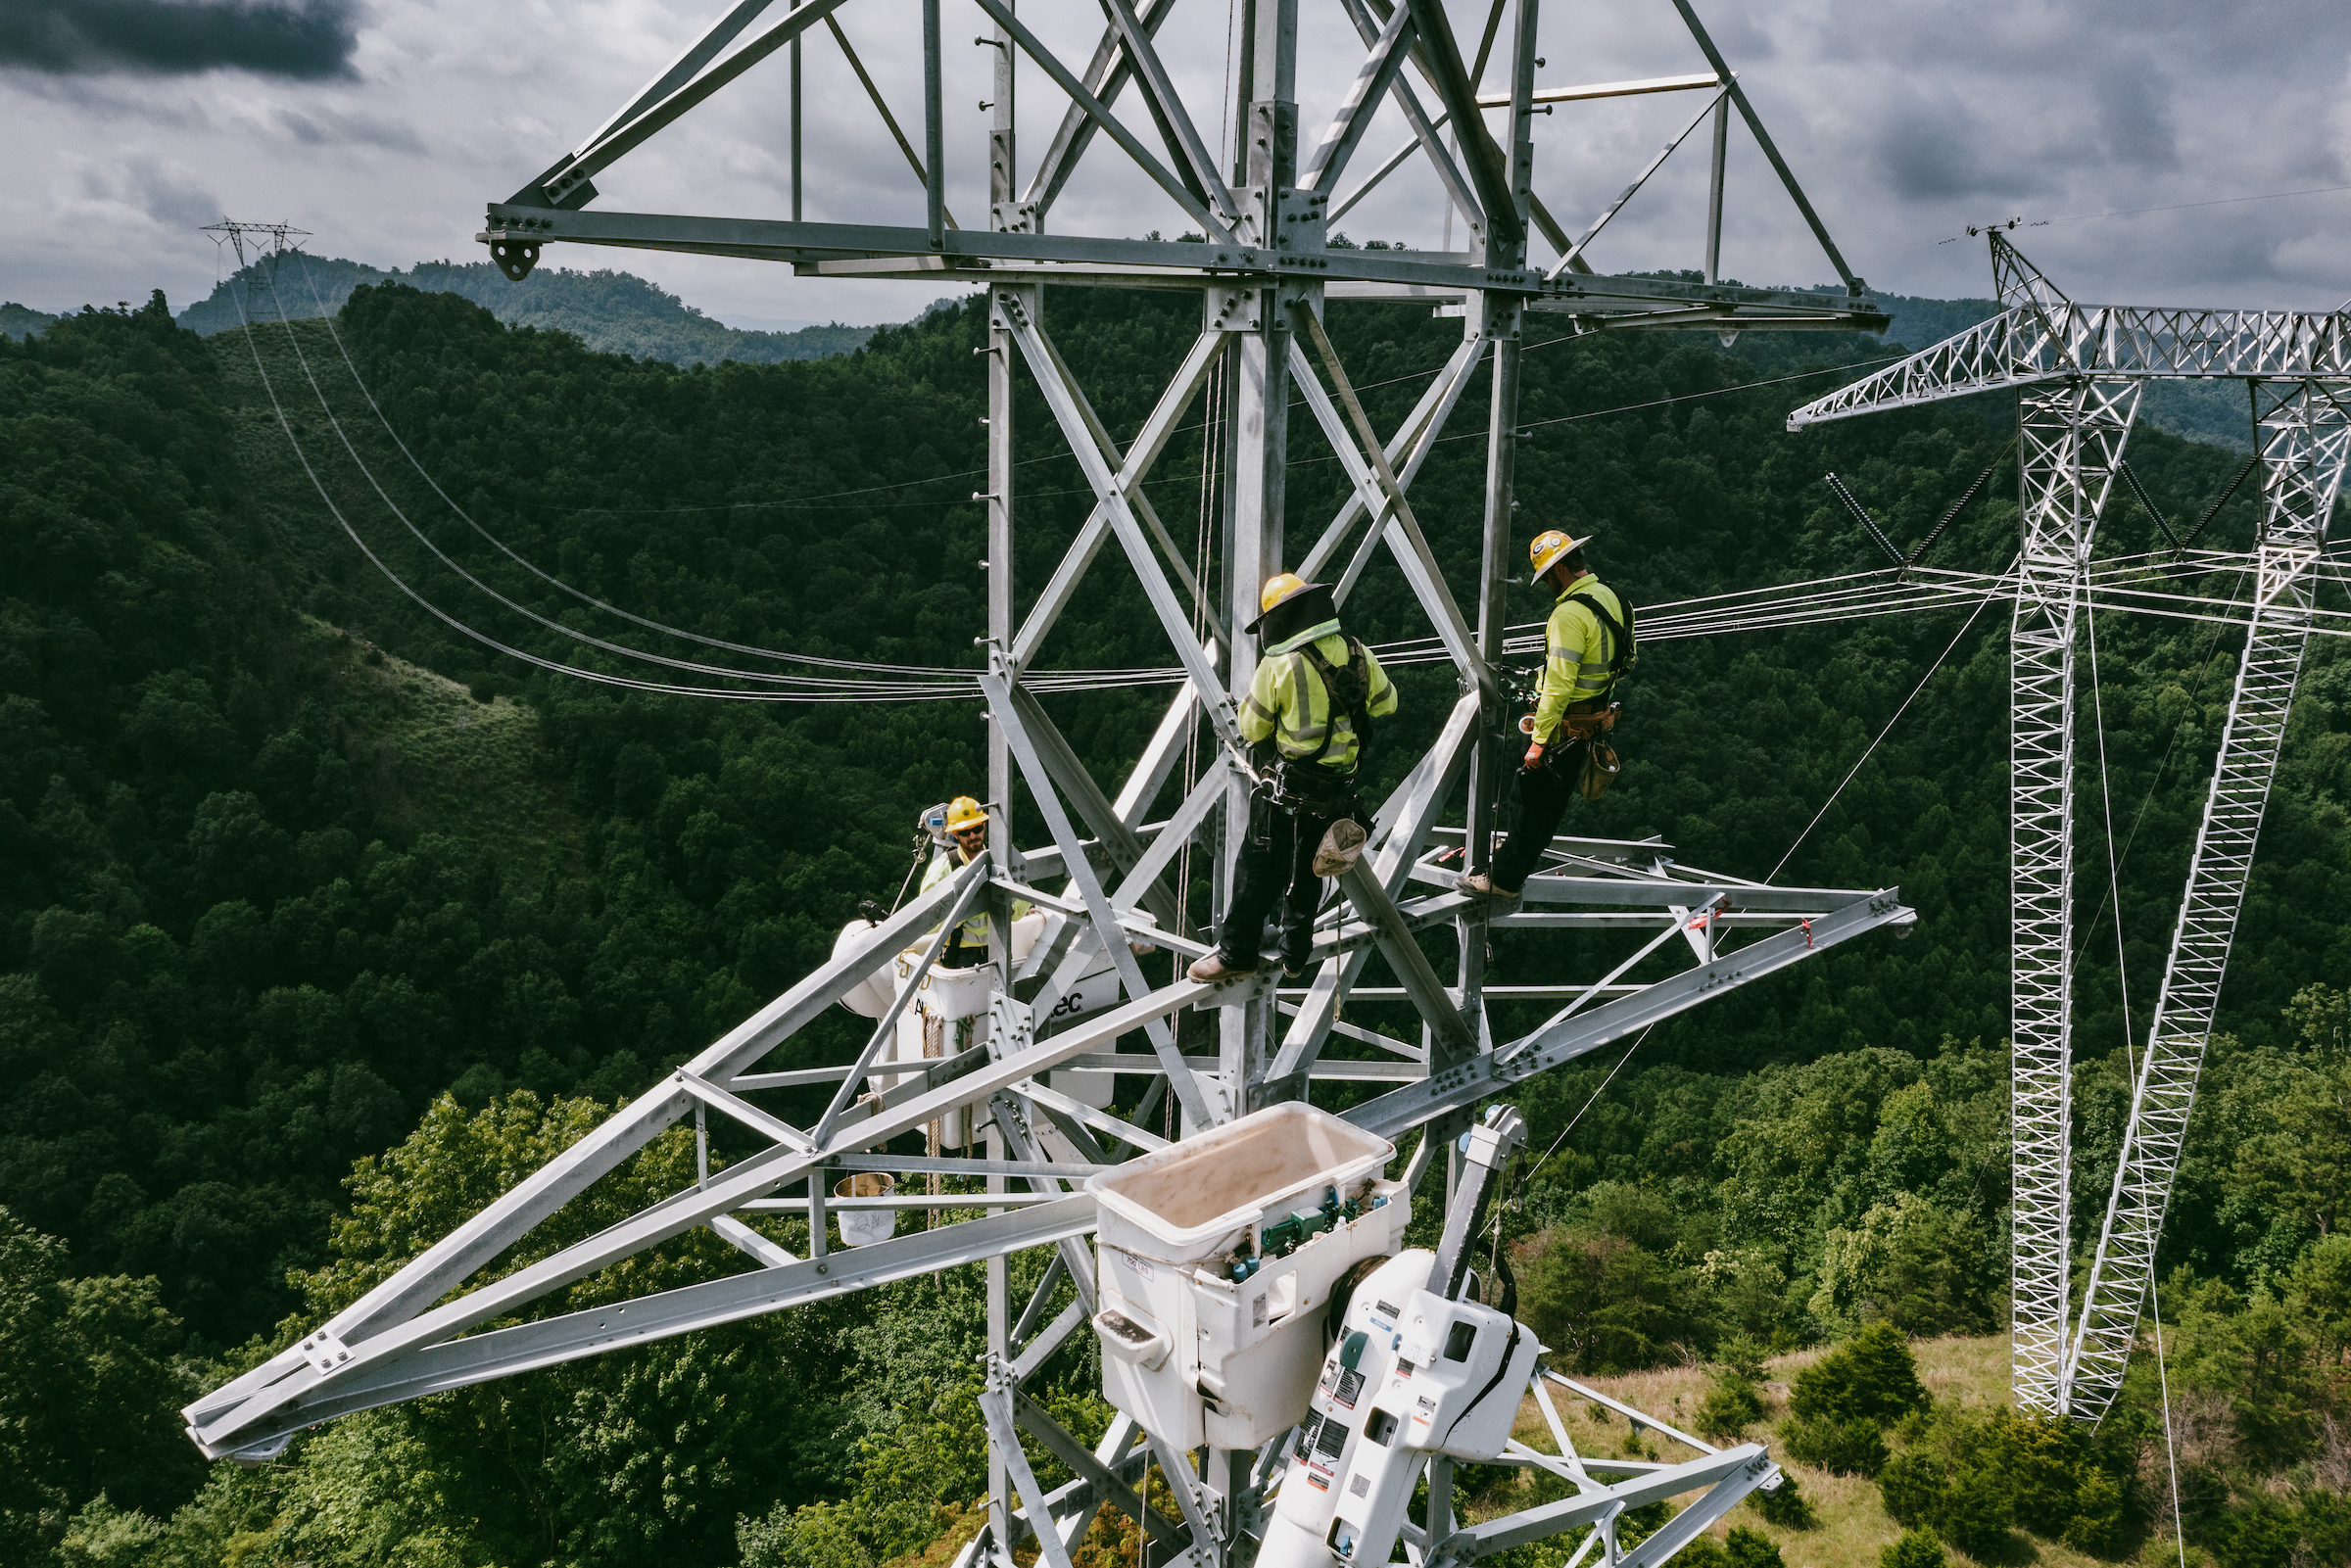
[{"x": 1216, "y": 1261}]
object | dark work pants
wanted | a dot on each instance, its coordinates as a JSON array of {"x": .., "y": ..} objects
[
  {"x": 1543, "y": 796},
  {"x": 1278, "y": 872}
]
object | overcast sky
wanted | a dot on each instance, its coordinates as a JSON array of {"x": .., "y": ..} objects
[{"x": 383, "y": 127}]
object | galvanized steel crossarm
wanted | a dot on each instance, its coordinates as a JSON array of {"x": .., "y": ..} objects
[
  {"x": 2030, "y": 345},
  {"x": 434, "y": 1369}
]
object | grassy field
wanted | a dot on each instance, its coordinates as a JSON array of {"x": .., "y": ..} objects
[{"x": 1853, "y": 1528}]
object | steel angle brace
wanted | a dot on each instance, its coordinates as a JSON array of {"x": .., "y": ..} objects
[
  {"x": 1107, "y": 930},
  {"x": 1372, "y": 80},
  {"x": 1106, "y": 75},
  {"x": 1120, "y": 844},
  {"x": 451, "y": 1261},
  {"x": 1066, "y": 957},
  {"x": 550, "y": 1342},
  {"x": 1369, "y": 470},
  {"x": 1405, "y": 823},
  {"x": 1175, "y": 617},
  {"x": 1771, "y": 150},
  {"x": 996, "y": 1410},
  {"x": 1491, "y": 1072},
  {"x": 1075, "y": 1501},
  {"x": 1168, "y": 107},
  {"x": 1101, "y": 1120},
  {"x": 1569, "y": 256},
  {"x": 1439, "y": 58},
  {"x": 1100, "y": 113},
  {"x": 1411, "y": 966},
  {"x": 970, "y": 881},
  {"x": 226, "y": 1425},
  {"x": 1109, "y": 1486},
  {"x": 1012, "y": 1121},
  {"x": 640, "y": 120},
  {"x": 1138, "y": 499},
  {"x": 1483, "y": 1540},
  {"x": 1457, "y": 185},
  {"x": 1149, "y": 443},
  {"x": 1411, "y": 445}
]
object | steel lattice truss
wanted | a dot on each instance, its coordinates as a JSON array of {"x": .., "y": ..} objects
[
  {"x": 2079, "y": 371},
  {"x": 1101, "y": 859}
]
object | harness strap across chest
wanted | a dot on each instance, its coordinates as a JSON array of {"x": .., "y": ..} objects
[{"x": 1352, "y": 690}]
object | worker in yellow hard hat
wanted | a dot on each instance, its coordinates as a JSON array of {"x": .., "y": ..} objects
[
  {"x": 1307, "y": 720},
  {"x": 1588, "y": 646},
  {"x": 967, "y": 831}
]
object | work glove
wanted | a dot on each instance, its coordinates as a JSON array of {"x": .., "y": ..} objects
[{"x": 1534, "y": 756}]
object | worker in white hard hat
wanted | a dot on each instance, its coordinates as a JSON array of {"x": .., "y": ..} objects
[
  {"x": 1307, "y": 720},
  {"x": 1588, "y": 646},
  {"x": 967, "y": 827}
]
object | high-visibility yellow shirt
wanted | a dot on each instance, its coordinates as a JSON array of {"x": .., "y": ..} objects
[
  {"x": 1577, "y": 649},
  {"x": 945, "y": 864},
  {"x": 1287, "y": 699}
]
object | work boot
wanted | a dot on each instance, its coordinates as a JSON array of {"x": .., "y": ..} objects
[
  {"x": 1482, "y": 885},
  {"x": 1213, "y": 968}
]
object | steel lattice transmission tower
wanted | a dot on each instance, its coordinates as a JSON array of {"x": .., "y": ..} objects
[
  {"x": 2078, "y": 371},
  {"x": 1097, "y": 853}
]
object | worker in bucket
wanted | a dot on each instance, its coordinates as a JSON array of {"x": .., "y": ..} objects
[
  {"x": 1308, "y": 720},
  {"x": 1588, "y": 646},
  {"x": 967, "y": 828}
]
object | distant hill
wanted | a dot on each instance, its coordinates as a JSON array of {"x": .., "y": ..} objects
[
  {"x": 615, "y": 312},
  {"x": 620, "y": 312},
  {"x": 21, "y": 321}
]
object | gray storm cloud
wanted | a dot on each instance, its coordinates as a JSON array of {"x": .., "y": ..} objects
[{"x": 303, "y": 39}]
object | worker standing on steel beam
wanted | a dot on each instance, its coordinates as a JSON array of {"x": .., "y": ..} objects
[
  {"x": 967, "y": 825},
  {"x": 1588, "y": 646},
  {"x": 1307, "y": 721}
]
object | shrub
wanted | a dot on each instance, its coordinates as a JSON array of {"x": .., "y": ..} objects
[
  {"x": 1752, "y": 1548},
  {"x": 1703, "y": 1551},
  {"x": 1784, "y": 1506},
  {"x": 1871, "y": 1377},
  {"x": 1918, "y": 1549},
  {"x": 1849, "y": 1447},
  {"x": 1729, "y": 1407},
  {"x": 2259, "y": 1536},
  {"x": 1966, "y": 1505}
]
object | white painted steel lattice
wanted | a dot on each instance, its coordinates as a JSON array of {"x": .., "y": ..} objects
[
  {"x": 2079, "y": 371},
  {"x": 2304, "y": 437}
]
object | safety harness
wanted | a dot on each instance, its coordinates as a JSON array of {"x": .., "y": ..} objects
[
  {"x": 1620, "y": 637},
  {"x": 1301, "y": 781}
]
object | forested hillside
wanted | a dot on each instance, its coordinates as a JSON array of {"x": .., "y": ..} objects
[{"x": 293, "y": 874}]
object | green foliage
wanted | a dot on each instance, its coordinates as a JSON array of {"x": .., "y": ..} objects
[
  {"x": 1872, "y": 1377},
  {"x": 88, "y": 1405},
  {"x": 1729, "y": 1407},
  {"x": 1752, "y": 1548},
  {"x": 1784, "y": 1505},
  {"x": 1917, "y": 1548},
  {"x": 1969, "y": 1477},
  {"x": 1856, "y": 1446}
]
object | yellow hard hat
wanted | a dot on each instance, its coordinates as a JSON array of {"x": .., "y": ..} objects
[
  {"x": 1547, "y": 550},
  {"x": 1280, "y": 587},
  {"x": 1279, "y": 590},
  {"x": 965, "y": 811}
]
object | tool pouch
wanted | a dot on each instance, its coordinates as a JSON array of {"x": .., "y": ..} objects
[
  {"x": 1341, "y": 847},
  {"x": 1601, "y": 767}
]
